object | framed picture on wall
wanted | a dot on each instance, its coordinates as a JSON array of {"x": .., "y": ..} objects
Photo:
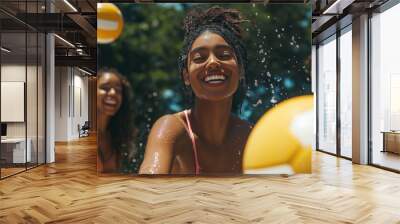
[{"x": 12, "y": 101}]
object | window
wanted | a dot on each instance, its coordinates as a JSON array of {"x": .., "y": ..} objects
[
  {"x": 327, "y": 95},
  {"x": 385, "y": 88},
  {"x": 346, "y": 92}
]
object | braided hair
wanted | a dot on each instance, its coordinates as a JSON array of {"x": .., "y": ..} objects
[{"x": 226, "y": 23}]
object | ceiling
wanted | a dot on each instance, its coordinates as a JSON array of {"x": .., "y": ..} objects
[
  {"x": 332, "y": 15},
  {"x": 72, "y": 20}
]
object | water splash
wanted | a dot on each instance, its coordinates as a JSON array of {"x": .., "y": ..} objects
[{"x": 259, "y": 102}]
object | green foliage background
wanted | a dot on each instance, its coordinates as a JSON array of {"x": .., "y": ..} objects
[{"x": 278, "y": 39}]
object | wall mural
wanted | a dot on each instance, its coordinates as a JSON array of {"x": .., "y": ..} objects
[{"x": 204, "y": 89}]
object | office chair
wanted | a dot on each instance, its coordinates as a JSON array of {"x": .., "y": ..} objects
[{"x": 84, "y": 130}]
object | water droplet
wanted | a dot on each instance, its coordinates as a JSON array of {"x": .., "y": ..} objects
[
  {"x": 257, "y": 103},
  {"x": 279, "y": 36},
  {"x": 263, "y": 60},
  {"x": 261, "y": 51},
  {"x": 269, "y": 75},
  {"x": 273, "y": 100},
  {"x": 167, "y": 93},
  {"x": 288, "y": 83}
]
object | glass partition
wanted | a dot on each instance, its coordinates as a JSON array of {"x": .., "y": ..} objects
[
  {"x": 22, "y": 89},
  {"x": 327, "y": 95},
  {"x": 13, "y": 94}
]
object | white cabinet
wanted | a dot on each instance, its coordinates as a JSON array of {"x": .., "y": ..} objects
[{"x": 15, "y": 149}]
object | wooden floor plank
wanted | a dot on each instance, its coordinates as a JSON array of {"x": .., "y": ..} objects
[{"x": 70, "y": 191}]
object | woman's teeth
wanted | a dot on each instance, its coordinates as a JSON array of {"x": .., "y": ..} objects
[
  {"x": 110, "y": 101},
  {"x": 215, "y": 79}
]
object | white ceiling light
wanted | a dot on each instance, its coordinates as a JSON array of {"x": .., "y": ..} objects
[
  {"x": 5, "y": 50},
  {"x": 65, "y": 41},
  {"x": 338, "y": 6},
  {"x": 84, "y": 71},
  {"x": 70, "y": 5}
]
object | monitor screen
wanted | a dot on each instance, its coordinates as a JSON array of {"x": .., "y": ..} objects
[{"x": 3, "y": 129}]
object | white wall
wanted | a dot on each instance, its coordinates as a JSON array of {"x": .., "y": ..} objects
[
  {"x": 71, "y": 94},
  {"x": 15, "y": 73},
  {"x": 61, "y": 103},
  {"x": 10, "y": 73},
  {"x": 33, "y": 126}
]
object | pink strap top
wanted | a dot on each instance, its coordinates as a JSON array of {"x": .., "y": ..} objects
[{"x": 191, "y": 135}]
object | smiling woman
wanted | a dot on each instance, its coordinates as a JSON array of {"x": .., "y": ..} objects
[
  {"x": 114, "y": 111},
  {"x": 207, "y": 138}
]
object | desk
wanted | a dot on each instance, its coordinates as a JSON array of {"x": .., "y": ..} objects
[
  {"x": 13, "y": 150},
  {"x": 391, "y": 141}
]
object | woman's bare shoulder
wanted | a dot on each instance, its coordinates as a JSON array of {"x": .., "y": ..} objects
[{"x": 169, "y": 126}]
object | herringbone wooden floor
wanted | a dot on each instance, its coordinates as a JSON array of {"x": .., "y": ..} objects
[{"x": 70, "y": 191}]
